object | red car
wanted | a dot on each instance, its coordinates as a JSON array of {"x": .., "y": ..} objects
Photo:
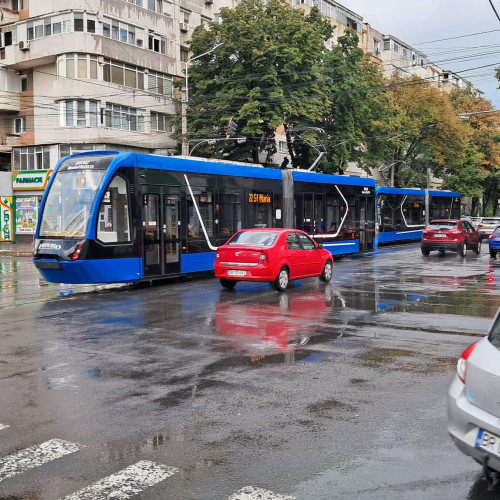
[
  {"x": 271, "y": 255},
  {"x": 450, "y": 234}
]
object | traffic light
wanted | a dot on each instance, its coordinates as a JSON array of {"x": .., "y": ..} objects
[{"x": 231, "y": 130}]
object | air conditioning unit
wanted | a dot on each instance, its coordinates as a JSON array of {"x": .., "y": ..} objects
[
  {"x": 209, "y": 2},
  {"x": 24, "y": 45},
  {"x": 184, "y": 26}
]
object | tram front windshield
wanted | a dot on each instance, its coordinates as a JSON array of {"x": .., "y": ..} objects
[{"x": 69, "y": 202}]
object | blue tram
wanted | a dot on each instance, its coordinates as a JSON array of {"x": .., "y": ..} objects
[
  {"x": 403, "y": 213},
  {"x": 111, "y": 217}
]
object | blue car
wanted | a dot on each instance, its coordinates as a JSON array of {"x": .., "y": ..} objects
[{"x": 494, "y": 241}]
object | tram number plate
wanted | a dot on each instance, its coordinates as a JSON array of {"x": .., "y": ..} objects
[
  {"x": 236, "y": 272},
  {"x": 440, "y": 236},
  {"x": 489, "y": 442}
]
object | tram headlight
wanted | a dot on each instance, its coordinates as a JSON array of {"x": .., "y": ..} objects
[{"x": 76, "y": 254}]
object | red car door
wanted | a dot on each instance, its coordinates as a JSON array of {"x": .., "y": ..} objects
[
  {"x": 311, "y": 255},
  {"x": 295, "y": 256}
]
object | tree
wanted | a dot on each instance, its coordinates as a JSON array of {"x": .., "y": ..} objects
[
  {"x": 427, "y": 137},
  {"x": 479, "y": 176},
  {"x": 357, "y": 106},
  {"x": 264, "y": 76}
]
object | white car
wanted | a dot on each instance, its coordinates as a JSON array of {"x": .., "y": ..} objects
[
  {"x": 474, "y": 403},
  {"x": 487, "y": 225}
]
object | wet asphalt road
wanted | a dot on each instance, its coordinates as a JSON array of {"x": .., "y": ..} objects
[{"x": 323, "y": 392}]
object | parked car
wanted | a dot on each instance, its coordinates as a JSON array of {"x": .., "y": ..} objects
[
  {"x": 271, "y": 255},
  {"x": 487, "y": 225},
  {"x": 474, "y": 402},
  {"x": 450, "y": 234},
  {"x": 494, "y": 241}
]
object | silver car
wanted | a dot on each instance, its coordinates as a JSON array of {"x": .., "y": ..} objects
[
  {"x": 487, "y": 225},
  {"x": 474, "y": 403}
]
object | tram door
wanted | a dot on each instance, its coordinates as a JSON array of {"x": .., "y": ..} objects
[
  {"x": 366, "y": 222},
  {"x": 161, "y": 231}
]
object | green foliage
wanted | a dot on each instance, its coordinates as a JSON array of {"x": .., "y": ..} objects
[{"x": 264, "y": 76}]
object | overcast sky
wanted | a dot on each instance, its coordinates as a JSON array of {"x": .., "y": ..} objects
[{"x": 423, "y": 24}]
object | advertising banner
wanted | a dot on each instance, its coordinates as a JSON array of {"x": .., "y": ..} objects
[
  {"x": 26, "y": 214},
  {"x": 6, "y": 218}
]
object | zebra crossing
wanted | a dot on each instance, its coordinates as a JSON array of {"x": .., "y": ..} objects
[{"x": 122, "y": 485}]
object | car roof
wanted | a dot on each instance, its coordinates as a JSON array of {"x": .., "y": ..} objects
[
  {"x": 446, "y": 220},
  {"x": 273, "y": 229}
]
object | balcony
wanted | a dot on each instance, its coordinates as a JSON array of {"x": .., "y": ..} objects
[
  {"x": 28, "y": 54},
  {"x": 8, "y": 16}
]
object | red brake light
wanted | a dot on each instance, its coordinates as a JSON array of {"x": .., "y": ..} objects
[
  {"x": 462, "y": 362},
  {"x": 262, "y": 258},
  {"x": 491, "y": 236}
]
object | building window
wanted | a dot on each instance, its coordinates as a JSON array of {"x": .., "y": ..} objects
[
  {"x": 123, "y": 74},
  {"x": 24, "y": 84},
  {"x": 83, "y": 66},
  {"x": 159, "y": 83},
  {"x": 124, "y": 118},
  {"x": 20, "y": 125},
  {"x": 161, "y": 122},
  {"x": 78, "y": 113},
  {"x": 32, "y": 158}
]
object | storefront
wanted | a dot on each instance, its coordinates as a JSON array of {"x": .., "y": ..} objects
[{"x": 28, "y": 187}]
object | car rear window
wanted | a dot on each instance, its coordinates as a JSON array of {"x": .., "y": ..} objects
[
  {"x": 442, "y": 225},
  {"x": 497, "y": 230},
  {"x": 491, "y": 221},
  {"x": 495, "y": 333},
  {"x": 261, "y": 238}
]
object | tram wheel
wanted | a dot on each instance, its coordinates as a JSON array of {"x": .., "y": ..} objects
[{"x": 229, "y": 284}]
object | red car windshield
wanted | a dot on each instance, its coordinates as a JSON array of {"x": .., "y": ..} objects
[
  {"x": 442, "y": 226},
  {"x": 261, "y": 238}
]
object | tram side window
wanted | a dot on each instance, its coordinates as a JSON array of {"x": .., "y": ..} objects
[
  {"x": 113, "y": 222},
  {"x": 333, "y": 209},
  {"x": 205, "y": 203},
  {"x": 260, "y": 210},
  {"x": 230, "y": 213},
  {"x": 413, "y": 211}
]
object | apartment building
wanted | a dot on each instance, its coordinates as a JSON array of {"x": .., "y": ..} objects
[{"x": 78, "y": 75}]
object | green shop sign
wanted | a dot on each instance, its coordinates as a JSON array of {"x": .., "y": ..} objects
[{"x": 30, "y": 180}]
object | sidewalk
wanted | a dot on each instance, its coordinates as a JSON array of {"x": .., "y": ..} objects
[{"x": 16, "y": 249}]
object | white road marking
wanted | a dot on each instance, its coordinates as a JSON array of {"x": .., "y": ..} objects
[
  {"x": 35, "y": 456},
  {"x": 126, "y": 483},
  {"x": 253, "y": 493},
  {"x": 2, "y": 427}
]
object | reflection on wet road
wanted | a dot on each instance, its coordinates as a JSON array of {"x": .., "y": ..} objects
[{"x": 326, "y": 387}]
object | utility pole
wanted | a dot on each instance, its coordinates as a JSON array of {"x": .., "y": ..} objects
[{"x": 185, "y": 102}]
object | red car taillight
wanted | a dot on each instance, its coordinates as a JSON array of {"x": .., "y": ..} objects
[
  {"x": 492, "y": 236},
  {"x": 462, "y": 362},
  {"x": 262, "y": 258}
]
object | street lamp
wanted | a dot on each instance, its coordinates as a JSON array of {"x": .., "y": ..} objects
[{"x": 185, "y": 143}]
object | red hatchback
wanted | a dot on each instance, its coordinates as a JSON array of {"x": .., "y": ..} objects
[
  {"x": 271, "y": 255},
  {"x": 450, "y": 234}
]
